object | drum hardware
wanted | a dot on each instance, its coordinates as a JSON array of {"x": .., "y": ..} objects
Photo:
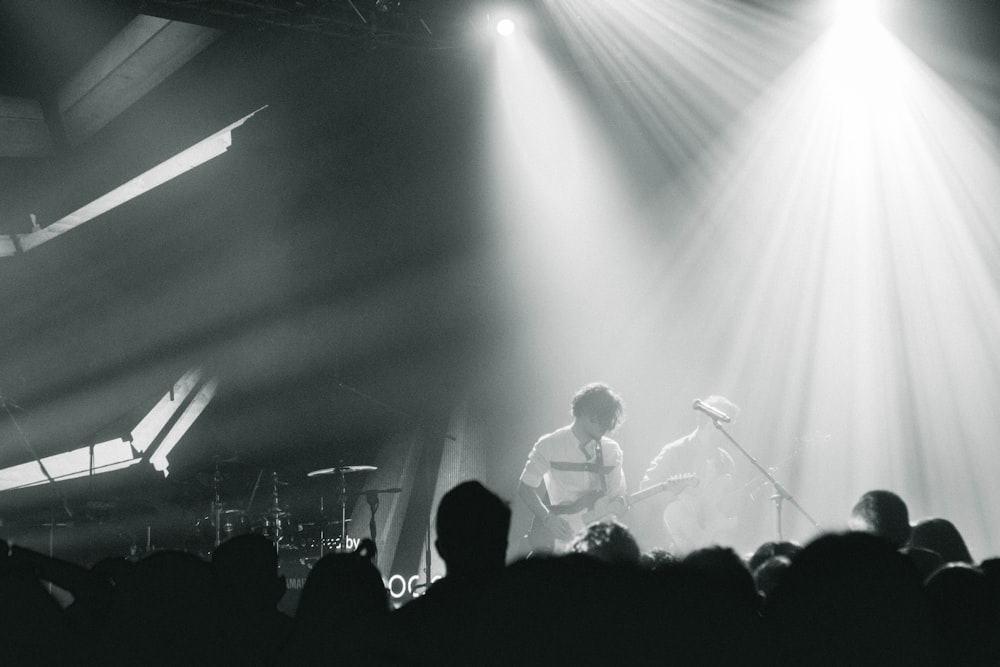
[
  {"x": 135, "y": 550},
  {"x": 222, "y": 522},
  {"x": 372, "y": 496},
  {"x": 277, "y": 524},
  {"x": 340, "y": 472}
]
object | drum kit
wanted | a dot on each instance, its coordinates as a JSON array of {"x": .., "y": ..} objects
[{"x": 306, "y": 538}]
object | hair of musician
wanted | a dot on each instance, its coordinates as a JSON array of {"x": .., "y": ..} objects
[{"x": 597, "y": 400}]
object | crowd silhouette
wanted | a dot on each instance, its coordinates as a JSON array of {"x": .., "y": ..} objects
[{"x": 885, "y": 592}]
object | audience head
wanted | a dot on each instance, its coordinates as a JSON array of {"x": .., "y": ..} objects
[
  {"x": 924, "y": 560},
  {"x": 723, "y": 566},
  {"x": 341, "y": 615},
  {"x": 246, "y": 567},
  {"x": 768, "y": 574},
  {"x": 967, "y": 615},
  {"x": 472, "y": 528},
  {"x": 849, "y": 599},
  {"x": 341, "y": 589},
  {"x": 882, "y": 513},
  {"x": 657, "y": 559},
  {"x": 608, "y": 541},
  {"x": 166, "y": 611},
  {"x": 769, "y": 550},
  {"x": 368, "y": 550},
  {"x": 990, "y": 568},
  {"x": 113, "y": 568},
  {"x": 942, "y": 536}
]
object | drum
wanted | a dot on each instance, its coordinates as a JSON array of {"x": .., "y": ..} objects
[
  {"x": 231, "y": 523},
  {"x": 281, "y": 528},
  {"x": 314, "y": 549}
]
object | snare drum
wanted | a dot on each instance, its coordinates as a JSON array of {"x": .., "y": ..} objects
[{"x": 231, "y": 523}]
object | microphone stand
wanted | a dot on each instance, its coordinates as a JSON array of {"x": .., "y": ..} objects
[
  {"x": 372, "y": 498},
  {"x": 781, "y": 494}
]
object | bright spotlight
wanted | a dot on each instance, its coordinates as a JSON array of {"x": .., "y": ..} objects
[
  {"x": 857, "y": 11},
  {"x": 506, "y": 27}
]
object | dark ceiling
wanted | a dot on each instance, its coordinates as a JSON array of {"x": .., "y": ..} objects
[{"x": 325, "y": 268}]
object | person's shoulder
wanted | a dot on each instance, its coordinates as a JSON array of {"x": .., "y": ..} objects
[
  {"x": 677, "y": 445},
  {"x": 556, "y": 436},
  {"x": 446, "y": 594}
]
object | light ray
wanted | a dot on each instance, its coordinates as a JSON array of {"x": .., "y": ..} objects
[{"x": 833, "y": 267}]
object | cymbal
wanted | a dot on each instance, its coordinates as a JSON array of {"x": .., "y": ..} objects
[
  {"x": 336, "y": 470},
  {"x": 332, "y": 522}
]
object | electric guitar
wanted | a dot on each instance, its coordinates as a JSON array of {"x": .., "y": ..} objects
[{"x": 587, "y": 510}]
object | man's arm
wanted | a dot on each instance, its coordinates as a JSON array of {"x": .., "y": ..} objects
[
  {"x": 646, "y": 518},
  {"x": 616, "y": 479},
  {"x": 617, "y": 489},
  {"x": 554, "y": 523},
  {"x": 83, "y": 584}
]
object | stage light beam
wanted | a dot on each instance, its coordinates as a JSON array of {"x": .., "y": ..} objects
[
  {"x": 857, "y": 13},
  {"x": 561, "y": 219},
  {"x": 829, "y": 249}
]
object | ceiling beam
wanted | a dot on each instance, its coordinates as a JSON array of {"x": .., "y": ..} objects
[{"x": 136, "y": 60}]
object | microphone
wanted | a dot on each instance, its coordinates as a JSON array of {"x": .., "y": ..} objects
[{"x": 717, "y": 415}]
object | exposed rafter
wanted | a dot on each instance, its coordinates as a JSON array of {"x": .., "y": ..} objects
[{"x": 421, "y": 24}]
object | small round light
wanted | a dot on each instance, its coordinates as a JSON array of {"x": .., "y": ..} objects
[{"x": 505, "y": 27}]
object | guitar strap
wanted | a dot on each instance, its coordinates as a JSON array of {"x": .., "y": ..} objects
[
  {"x": 570, "y": 466},
  {"x": 603, "y": 474},
  {"x": 587, "y": 500}
]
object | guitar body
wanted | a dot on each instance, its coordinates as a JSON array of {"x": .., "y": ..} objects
[
  {"x": 541, "y": 540},
  {"x": 697, "y": 518}
]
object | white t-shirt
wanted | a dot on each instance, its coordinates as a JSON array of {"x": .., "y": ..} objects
[{"x": 561, "y": 449}]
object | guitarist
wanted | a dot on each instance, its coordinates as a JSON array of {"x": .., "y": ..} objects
[
  {"x": 572, "y": 468},
  {"x": 701, "y": 515}
]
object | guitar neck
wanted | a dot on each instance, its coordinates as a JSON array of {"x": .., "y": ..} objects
[{"x": 660, "y": 487}]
